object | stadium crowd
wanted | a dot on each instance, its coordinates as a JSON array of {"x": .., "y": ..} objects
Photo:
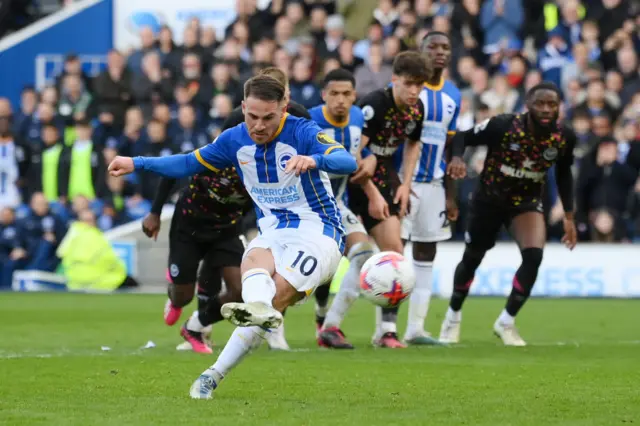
[{"x": 162, "y": 98}]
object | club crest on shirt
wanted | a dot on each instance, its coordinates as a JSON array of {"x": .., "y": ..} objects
[
  {"x": 410, "y": 127},
  {"x": 324, "y": 139},
  {"x": 550, "y": 154},
  {"x": 283, "y": 160},
  {"x": 368, "y": 112}
]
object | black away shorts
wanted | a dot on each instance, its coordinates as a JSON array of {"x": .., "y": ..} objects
[
  {"x": 186, "y": 251},
  {"x": 487, "y": 217}
]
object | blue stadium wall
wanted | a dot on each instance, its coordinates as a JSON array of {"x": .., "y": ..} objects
[{"x": 88, "y": 32}]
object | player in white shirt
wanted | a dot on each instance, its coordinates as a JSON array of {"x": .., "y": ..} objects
[
  {"x": 13, "y": 159},
  {"x": 432, "y": 208},
  {"x": 284, "y": 163}
]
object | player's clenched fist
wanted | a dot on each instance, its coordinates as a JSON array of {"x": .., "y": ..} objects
[
  {"x": 121, "y": 166},
  {"x": 300, "y": 164}
]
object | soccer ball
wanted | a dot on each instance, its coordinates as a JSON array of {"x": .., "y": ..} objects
[{"x": 386, "y": 279}]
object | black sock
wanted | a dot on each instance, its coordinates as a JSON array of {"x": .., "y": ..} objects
[
  {"x": 322, "y": 295},
  {"x": 463, "y": 277},
  {"x": 524, "y": 280},
  {"x": 209, "y": 310},
  {"x": 390, "y": 315}
]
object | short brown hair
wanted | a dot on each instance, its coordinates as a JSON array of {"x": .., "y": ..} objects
[
  {"x": 265, "y": 88},
  {"x": 276, "y": 73},
  {"x": 411, "y": 65}
]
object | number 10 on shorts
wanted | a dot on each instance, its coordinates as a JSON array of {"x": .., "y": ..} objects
[{"x": 306, "y": 263}]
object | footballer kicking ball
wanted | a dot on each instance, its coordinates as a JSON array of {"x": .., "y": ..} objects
[{"x": 386, "y": 279}]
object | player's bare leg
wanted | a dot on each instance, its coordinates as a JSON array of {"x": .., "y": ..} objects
[
  {"x": 266, "y": 298},
  {"x": 529, "y": 231},
  {"x": 358, "y": 250},
  {"x": 423, "y": 257},
  {"x": 322, "y": 304},
  {"x": 179, "y": 297},
  {"x": 387, "y": 237}
]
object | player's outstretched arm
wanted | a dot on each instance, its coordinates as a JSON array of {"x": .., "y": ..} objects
[
  {"x": 173, "y": 166},
  {"x": 337, "y": 162}
]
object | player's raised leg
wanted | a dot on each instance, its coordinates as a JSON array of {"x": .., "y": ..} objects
[
  {"x": 529, "y": 231},
  {"x": 359, "y": 250},
  {"x": 269, "y": 286},
  {"x": 322, "y": 304}
]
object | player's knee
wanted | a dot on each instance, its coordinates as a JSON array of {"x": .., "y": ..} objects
[
  {"x": 424, "y": 252},
  {"x": 360, "y": 253}
]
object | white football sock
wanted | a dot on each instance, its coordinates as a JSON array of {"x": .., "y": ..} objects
[
  {"x": 378, "y": 331},
  {"x": 321, "y": 311},
  {"x": 258, "y": 286},
  {"x": 453, "y": 315},
  {"x": 241, "y": 342},
  {"x": 194, "y": 323},
  {"x": 420, "y": 297},
  {"x": 388, "y": 327},
  {"x": 505, "y": 318},
  {"x": 347, "y": 294}
]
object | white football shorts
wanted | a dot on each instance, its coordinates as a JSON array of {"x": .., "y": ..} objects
[
  {"x": 306, "y": 261},
  {"x": 427, "y": 219},
  {"x": 350, "y": 221}
]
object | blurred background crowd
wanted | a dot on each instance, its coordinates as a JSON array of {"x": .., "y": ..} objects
[{"x": 161, "y": 98}]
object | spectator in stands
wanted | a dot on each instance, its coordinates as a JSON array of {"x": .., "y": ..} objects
[
  {"x": 28, "y": 105},
  {"x": 259, "y": 22},
  {"x": 501, "y": 98},
  {"x": 45, "y": 114},
  {"x": 630, "y": 68},
  {"x": 575, "y": 67},
  {"x": 209, "y": 43},
  {"x": 44, "y": 174},
  {"x": 328, "y": 45},
  {"x": 166, "y": 47},
  {"x": 190, "y": 46},
  {"x": 148, "y": 44},
  {"x": 222, "y": 107},
  {"x": 596, "y": 102},
  {"x": 283, "y": 33},
  {"x": 586, "y": 142},
  {"x": 500, "y": 20},
  {"x": 82, "y": 165},
  {"x": 131, "y": 142},
  {"x": 303, "y": 89},
  {"x": 282, "y": 59},
  {"x": 387, "y": 15},
  {"x": 89, "y": 260},
  {"x": 391, "y": 47},
  {"x": 199, "y": 86},
  {"x": 14, "y": 159},
  {"x": 150, "y": 87},
  {"x": 467, "y": 34},
  {"x": 603, "y": 187},
  {"x": 73, "y": 66},
  {"x": 76, "y": 103},
  {"x": 346, "y": 57},
  {"x": 187, "y": 136},
  {"x": 112, "y": 88},
  {"x": 113, "y": 210},
  {"x": 374, "y": 74},
  {"x": 50, "y": 96},
  {"x": 318, "y": 22},
  {"x": 40, "y": 232},
  {"x": 554, "y": 57},
  {"x": 12, "y": 256},
  {"x": 374, "y": 36},
  {"x": 159, "y": 146}
]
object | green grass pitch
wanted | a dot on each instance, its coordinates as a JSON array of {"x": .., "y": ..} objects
[{"x": 582, "y": 368}]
